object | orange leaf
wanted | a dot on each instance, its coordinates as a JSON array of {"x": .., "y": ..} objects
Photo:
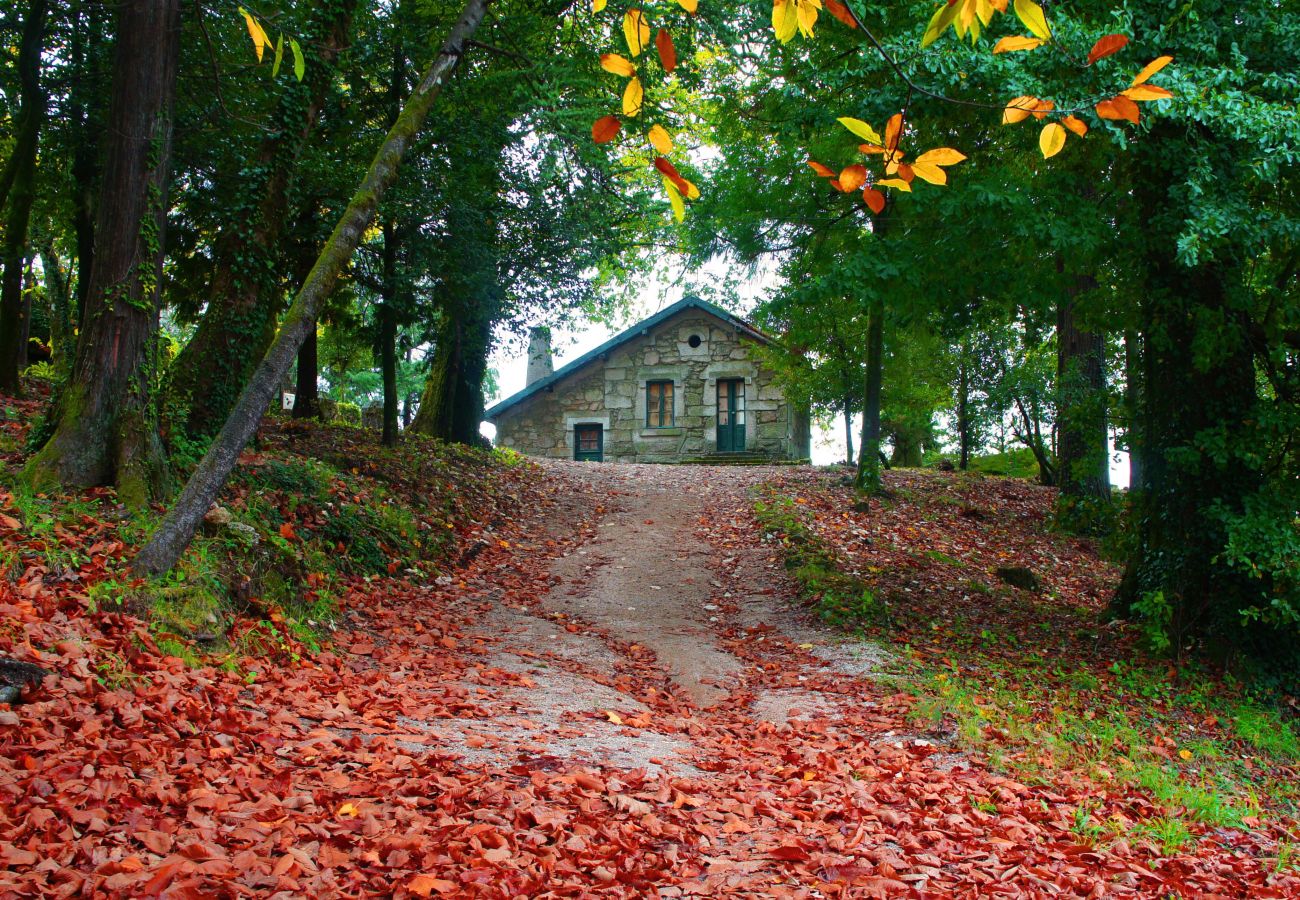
[
  {"x": 10, "y": 522},
  {"x": 1147, "y": 92},
  {"x": 670, "y": 172},
  {"x": 1105, "y": 46},
  {"x": 1118, "y": 108},
  {"x": 1152, "y": 68},
  {"x": 617, "y": 65},
  {"x": 1041, "y": 110},
  {"x": 841, "y": 12},
  {"x": 605, "y": 129},
  {"x": 1075, "y": 124},
  {"x": 667, "y": 52},
  {"x": 874, "y": 199},
  {"x": 853, "y": 177},
  {"x": 870, "y": 148},
  {"x": 905, "y": 172},
  {"x": 286, "y": 531},
  {"x": 1018, "y": 109},
  {"x": 1016, "y": 42},
  {"x": 816, "y": 167},
  {"x": 835, "y": 183},
  {"x": 893, "y": 131}
]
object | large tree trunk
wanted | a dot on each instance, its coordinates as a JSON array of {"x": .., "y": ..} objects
[
  {"x": 1082, "y": 456},
  {"x": 59, "y": 295},
  {"x": 86, "y": 108},
  {"x": 1174, "y": 577},
  {"x": 306, "y": 401},
  {"x": 177, "y": 529},
  {"x": 451, "y": 407},
  {"x": 18, "y": 192},
  {"x": 244, "y": 297},
  {"x": 869, "y": 455},
  {"x": 105, "y": 431}
]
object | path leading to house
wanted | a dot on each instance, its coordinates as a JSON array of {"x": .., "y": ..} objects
[{"x": 616, "y": 695}]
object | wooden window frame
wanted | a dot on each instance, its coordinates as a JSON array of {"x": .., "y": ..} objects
[{"x": 665, "y": 407}]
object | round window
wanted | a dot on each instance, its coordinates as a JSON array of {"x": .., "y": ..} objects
[{"x": 693, "y": 340}]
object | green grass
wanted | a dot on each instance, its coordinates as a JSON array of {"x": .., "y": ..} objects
[{"x": 1011, "y": 464}]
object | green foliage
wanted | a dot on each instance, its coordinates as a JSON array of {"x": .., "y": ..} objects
[{"x": 1019, "y": 463}]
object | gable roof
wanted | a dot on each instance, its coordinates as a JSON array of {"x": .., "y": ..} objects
[{"x": 642, "y": 327}]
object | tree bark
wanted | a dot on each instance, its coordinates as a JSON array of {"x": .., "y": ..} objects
[
  {"x": 963, "y": 407},
  {"x": 106, "y": 430},
  {"x": 244, "y": 297},
  {"x": 18, "y": 186},
  {"x": 1082, "y": 457},
  {"x": 451, "y": 406},
  {"x": 177, "y": 528},
  {"x": 62, "y": 339},
  {"x": 869, "y": 455},
  {"x": 1133, "y": 401},
  {"x": 306, "y": 400},
  {"x": 388, "y": 335},
  {"x": 848, "y": 429}
]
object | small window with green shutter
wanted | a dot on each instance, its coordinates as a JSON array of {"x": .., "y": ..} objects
[{"x": 659, "y": 404}]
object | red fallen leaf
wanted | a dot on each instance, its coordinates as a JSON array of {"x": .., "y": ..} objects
[
  {"x": 10, "y": 522},
  {"x": 589, "y": 782},
  {"x": 425, "y": 885},
  {"x": 286, "y": 531},
  {"x": 649, "y": 521},
  {"x": 789, "y": 852},
  {"x": 605, "y": 129}
]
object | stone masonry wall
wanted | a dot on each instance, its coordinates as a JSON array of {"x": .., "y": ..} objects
[{"x": 612, "y": 393}]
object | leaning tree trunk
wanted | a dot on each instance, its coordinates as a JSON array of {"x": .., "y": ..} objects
[
  {"x": 244, "y": 297},
  {"x": 1082, "y": 457},
  {"x": 19, "y": 192},
  {"x": 177, "y": 529},
  {"x": 105, "y": 430}
]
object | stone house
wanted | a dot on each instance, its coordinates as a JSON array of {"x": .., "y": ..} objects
[{"x": 684, "y": 384}]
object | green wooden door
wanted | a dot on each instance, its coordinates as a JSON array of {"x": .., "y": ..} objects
[
  {"x": 731, "y": 415},
  {"x": 588, "y": 443}
]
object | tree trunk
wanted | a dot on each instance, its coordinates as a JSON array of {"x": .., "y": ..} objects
[
  {"x": 244, "y": 297},
  {"x": 1133, "y": 401},
  {"x": 869, "y": 455},
  {"x": 964, "y": 436},
  {"x": 177, "y": 529},
  {"x": 848, "y": 429},
  {"x": 86, "y": 112},
  {"x": 62, "y": 339},
  {"x": 451, "y": 406},
  {"x": 306, "y": 400},
  {"x": 106, "y": 431},
  {"x": 18, "y": 193},
  {"x": 1082, "y": 457}
]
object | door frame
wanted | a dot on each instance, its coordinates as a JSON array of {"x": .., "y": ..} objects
[
  {"x": 600, "y": 441},
  {"x": 735, "y": 388}
]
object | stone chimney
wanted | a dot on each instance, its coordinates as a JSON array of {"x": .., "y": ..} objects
[{"x": 539, "y": 354}]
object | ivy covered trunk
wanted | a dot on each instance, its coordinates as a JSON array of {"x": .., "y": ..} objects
[
  {"x": 451, "y": 406},
  {"x": 18, "y": 192},
  {"x": 1198, "y": 399},
  {"x": 174, "y": 533},
  {"x": 103, "y": 425},
  {"x": 244, "y": 299}
]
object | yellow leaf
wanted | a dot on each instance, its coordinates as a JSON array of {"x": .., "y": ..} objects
[
  {"x": 929, "y": 172},
  {"x": 260, "y": 40},
  {"x": 1032, "y": 15},
  {"x": 785, "y": 20},
  {"x": 636, "y": 31},
  {"x": 612, "y": 716},
  {"x": 1075, "y": 124},
  {"x": 692, "y": 192},
  {"x": 1018, "y": 110},
  {"x": 941, "y": 156},
  {"x": 861, "y": 129},
  {"x": 807, "y": 15},
  {"x": 689, "y": 5},
  {"x": 1185, "y": 753},
  {"x": 675, "y": 198},
  {"x": 1017, "y": 42},
  {"x": 598, "y": 5},
  {"x": 1147, "y": 92},
  {"x": 1152, "y": 68},
  {"x": 348, "y": 810},
  {"x": 942, "y": 18},
  {"x": 894, "y": 183},
  {"x": 1051, "y": 139},
  {"x": 632, "y": 97},
  {"x": 660, "y": 140},
  {"x": 617, "y": 65}
]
